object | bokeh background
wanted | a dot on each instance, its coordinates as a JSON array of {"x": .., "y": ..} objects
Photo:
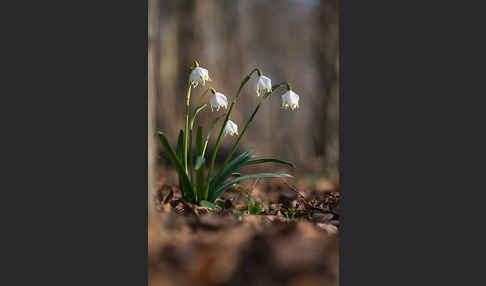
[{"x": 295, "y": 41}]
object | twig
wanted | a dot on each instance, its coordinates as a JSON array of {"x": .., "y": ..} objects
[
  {"x": 254, "y": 184},
  {"x": 306, "y": 202}
]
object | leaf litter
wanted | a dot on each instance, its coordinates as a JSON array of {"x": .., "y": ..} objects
[{"x": 293, "y": 241}]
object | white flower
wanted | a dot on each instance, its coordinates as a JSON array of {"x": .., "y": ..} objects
[
  {"x": 263, "y": 84},
  {"x": 218, "y": 100},
  {"x": 199, "y": 76},
  {"x": 290, "y": 99},
  {"x": 230, "y": 128}
]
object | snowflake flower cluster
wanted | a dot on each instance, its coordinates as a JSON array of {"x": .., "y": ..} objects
[{"x": 262, "y": 86}]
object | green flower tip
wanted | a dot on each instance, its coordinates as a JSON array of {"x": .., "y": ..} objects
[
  {"x": 213, "y": 90},
  {"x": 289, "y": 87},
  {"x": 195, "y": 64},
  {"x": 259, "y": 72}
]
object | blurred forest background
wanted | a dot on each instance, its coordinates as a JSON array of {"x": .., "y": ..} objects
[{"x": 295, "y": 41}]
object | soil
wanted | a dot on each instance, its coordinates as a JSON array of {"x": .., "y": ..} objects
[{"x": 292, "y": 241}]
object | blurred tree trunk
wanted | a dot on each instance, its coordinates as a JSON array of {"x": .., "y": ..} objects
[
  {"x": 152, "y": 61},
  {"x": 328, "y": 55}
]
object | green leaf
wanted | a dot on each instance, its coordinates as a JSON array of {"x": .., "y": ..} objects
[
  {"x": 200, "y": 170},
  {"x": 209, "y": 134},
  {"x": 237, "y": 212},
  {"x": 180, "y": 145},
  {"x": 236, "y": 174},
  {"x": 219, "y": 203},
  {"x": 249, "y": 198},
  {"x": 265, "y": 160},
  {"x": 196, "y": 111},
  {"x": 199, "y": 141},
  {"x": 191, "y": 158},
  {"x": 243, "y": 189},
  {"x": 209, "y": 205},
  {"x": 186, "y": 186},
  {"x": 216, "y": 193},
  {"x": 226, "y": 171},
  {"x": 254, "y": 209},
  {"x": 199, "y": 162}
]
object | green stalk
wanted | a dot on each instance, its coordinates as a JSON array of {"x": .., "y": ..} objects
[
  {"x": 289, "y": 87},
  {"x": 191, "y": 162},
  {"x": 193, "y": 117},
  {"x": 186, "y": 127},
  {"x": 203, "y": 96},
  {"x": 216, "y": 147},
  {"x": 228, "y": 158}
]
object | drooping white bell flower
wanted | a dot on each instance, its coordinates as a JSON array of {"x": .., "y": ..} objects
[
  {"x": 218, "y": 100},
  {"x": 263, "y": 84},
  {"x": 199, "y": 76},
  {"x": 290, "y": 99},
  {"x": 230, "y": 128}
]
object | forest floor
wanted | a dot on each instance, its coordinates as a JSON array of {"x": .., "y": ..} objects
[{"x": 293, "y": 240}]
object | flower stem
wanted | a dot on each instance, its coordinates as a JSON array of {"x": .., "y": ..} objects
[
  {"x": 203, "y": 96},
  {"x": 242, "y": 133},
  {"x": 218, "y": 141},
  {"x": 228, "y": 158},
  {"x": 216, "y": 147},
  {"x": 191, "y": 161},
  {"x": 186, "y": 127},
  {"x": 289, "y": 87}
]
